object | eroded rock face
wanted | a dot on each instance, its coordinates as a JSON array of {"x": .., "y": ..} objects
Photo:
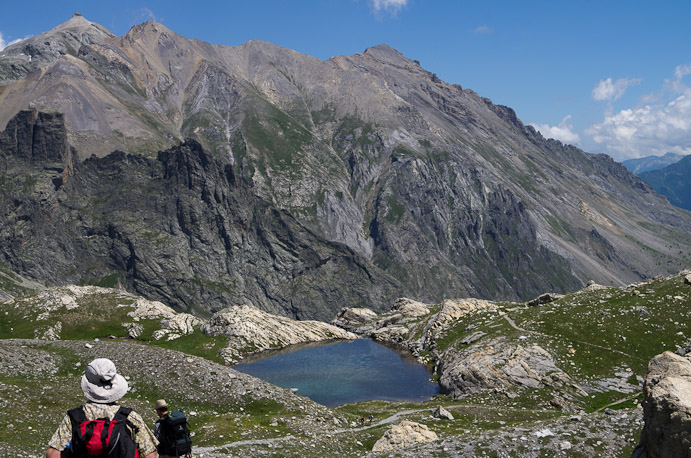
[
  {"x": 253, "y": 330},
  {"x": 497, "y": 364},
  {"x": 404, "y": 434},
  {"x": 196, "y": 222},
  {"x": 666, "y": 408}
]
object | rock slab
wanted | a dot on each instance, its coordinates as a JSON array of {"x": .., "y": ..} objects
[
  {"x": 666, "y": 408},
  {"x": 404, "y": 434}
]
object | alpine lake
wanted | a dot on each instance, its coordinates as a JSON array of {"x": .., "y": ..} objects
[{"x": 344, "y": 372}]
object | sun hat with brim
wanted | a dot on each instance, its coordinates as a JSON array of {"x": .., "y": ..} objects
[
  {"x": 161, "y": 404},
  {"x": 101, "y": 382}
]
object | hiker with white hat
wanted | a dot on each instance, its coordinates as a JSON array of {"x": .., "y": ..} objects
[{"x": 101, "y": 426}]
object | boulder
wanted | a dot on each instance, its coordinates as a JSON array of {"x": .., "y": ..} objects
[
  {"x": 453, "y": 310},
  {"x": 545, "y": 299},
  {"x": 410, "y": 308},
  {"x": 356, "y": 319},
  {"x": 404, "y": 434},
  {"x": 391, "y": 334},
  {"x": 666, "y": 408},
  {"x": 134, "y": 330},
  {"x": 442, "y": 413},
  {"x": 356, "y": 315},
  {"x": 145, "y": 309},
  {"x": 687, "y": 279},
  {"x": 177, "y": 326}
]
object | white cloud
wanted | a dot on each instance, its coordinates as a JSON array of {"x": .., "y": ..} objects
[
  {"x": 390, "y": 6},
  {"x": 4, "y": 44},
  {"x": 676, "y": 85},
  {"x": 647, "y": 130},
  {"x": 563, "y": 132},
  {"x": 682, "y": 70},
  {"x": 660, "y": 124},
  {"x": 611, "y": 91}
]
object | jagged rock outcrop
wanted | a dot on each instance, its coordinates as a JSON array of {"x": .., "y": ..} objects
[
  {"x": 404, "y": 434},
  {"x": 252, "y": 330},
  {"x": 666, "y": 408},
  {"x": 181, "y": 228}
]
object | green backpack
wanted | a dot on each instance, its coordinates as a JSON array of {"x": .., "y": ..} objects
[{"x": 175, "y": 435}]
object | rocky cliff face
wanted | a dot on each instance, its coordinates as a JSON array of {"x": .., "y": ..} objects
[
  {"x": 435, "y": 186},
  {"x": 181, "y": 228}
]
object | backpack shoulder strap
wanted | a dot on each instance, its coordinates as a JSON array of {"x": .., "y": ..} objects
[
  {"x": 122, "y": 416},
  {"x": 122, "y": 413},
  {"x": 77, "y": 416}
]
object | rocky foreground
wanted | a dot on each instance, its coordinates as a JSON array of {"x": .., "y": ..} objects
[{"x": 557, "y": 376}]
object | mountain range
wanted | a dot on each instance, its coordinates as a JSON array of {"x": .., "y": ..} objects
[
  {"x": 207, "y": 175},
  {"x": 672, "y": 182},
  {"x": 649, "y": 163}
]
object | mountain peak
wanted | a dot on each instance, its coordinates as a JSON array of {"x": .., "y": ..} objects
[
  {"x": 78, "y": 23},
  {"x": 147, "y": 31},
  {"x": 385, "y": 52}
]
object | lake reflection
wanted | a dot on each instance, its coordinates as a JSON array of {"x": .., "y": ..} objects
[{"x": 345, "y": 372}]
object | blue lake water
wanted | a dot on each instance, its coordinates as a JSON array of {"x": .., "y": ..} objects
[{"x": 345, "y": 372}]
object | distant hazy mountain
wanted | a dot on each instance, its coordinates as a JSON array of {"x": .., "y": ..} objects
[
  {"x": 646, "y": 164},
  {"x": 673, "y": 182},
  {"x": 307, "y": 185}
]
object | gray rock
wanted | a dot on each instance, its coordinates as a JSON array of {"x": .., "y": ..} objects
[
  {"x": 496, "y": 364},
  {"x": 134, "y": 330},
  {"x": 404, "y": 434},
  {"x": 442, "y": 413},
  {"x": 545, "y": 298},
  {"x": 666, "y": 408}
]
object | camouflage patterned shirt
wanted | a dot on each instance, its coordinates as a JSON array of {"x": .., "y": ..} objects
[{"x": 145, "y": 440}]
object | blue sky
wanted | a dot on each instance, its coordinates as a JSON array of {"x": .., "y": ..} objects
[{"x": 609, "y": 76}]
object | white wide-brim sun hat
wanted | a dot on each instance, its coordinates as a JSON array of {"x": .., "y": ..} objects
[{"x": 101, "y": 382}]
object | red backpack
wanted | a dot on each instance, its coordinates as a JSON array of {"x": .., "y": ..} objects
[{"x": 103, "y": 438}]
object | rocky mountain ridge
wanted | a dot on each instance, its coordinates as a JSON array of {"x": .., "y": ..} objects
[
  {"x": 435, "y": 191},
  {"x": 650, "y": 163}
]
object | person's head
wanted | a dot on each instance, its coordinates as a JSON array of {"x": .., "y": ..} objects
[
  {"x": 101, "y": 382},
  {"x": 161, "y": 407}
]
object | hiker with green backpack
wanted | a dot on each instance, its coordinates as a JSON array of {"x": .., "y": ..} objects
[{"x": 172, "y": 432}]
